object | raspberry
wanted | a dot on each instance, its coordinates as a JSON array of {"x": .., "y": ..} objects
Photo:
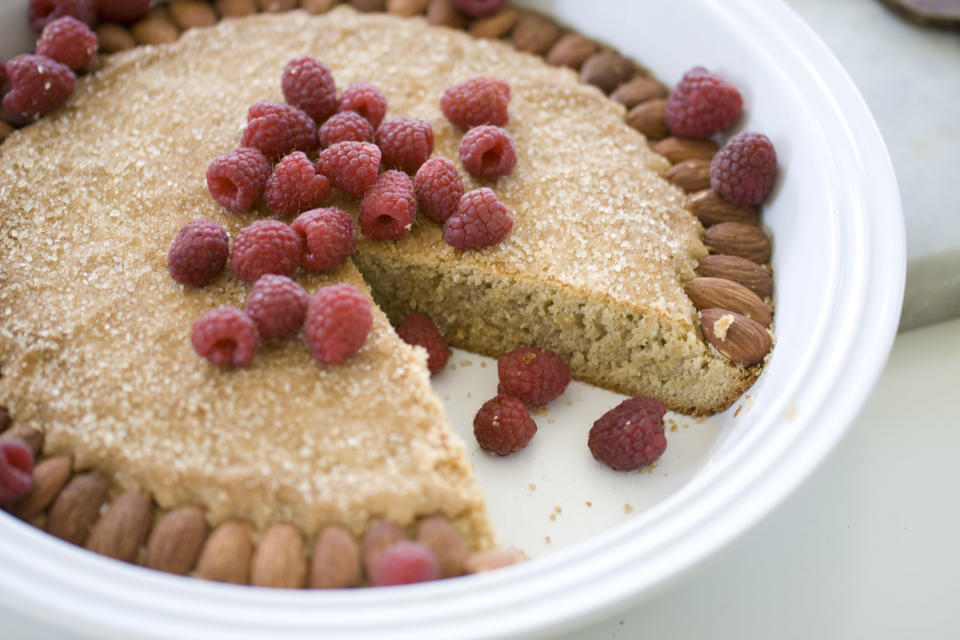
[
  {"x": 198, "y": 253},
  {"x": 477, "y": 101},
  {"x": 487, "y": 152},
  {"x": 744, "y": 170},
  {"x": 418, "y": 329},
  {"x": 338, "y": 321},
  {"x": 406, "y": 143},
  {"x": 266, "y": 246},
  {"x": 503, "y": 426},
  {"x": 236, "y": 178},
  {"x": 42, "y": 12},
  {"x": 295, "y": 186},
  {"x": 479, "y": 8},
  {"x": 327, "y": 238},
  {"x": 365, "y": 99},
  {"x": 38, "y": 85},
  {"x": 226, "y": 336},
  {"x": 480, "y": 220},
  {"x": 308, "y": 84},
  {"x": 69, "y": 41},
  {"x": 389, "y": 207},
  {"x": 630, "y": 435},
  {"x": 277, "y": 305},
  {"x": 532, "y": 375},
  {"x": 16, "y": 470},
  {"x": 702, "y": 105},
  {"x": 122, "y": 11},
  {"x": 276, "y": 129},
  {"x": 351, "y": 166},
  {"x": 404, "y": 562},
  {"x": 438, "y": 188},
  {"x": 344, "y": 127}
]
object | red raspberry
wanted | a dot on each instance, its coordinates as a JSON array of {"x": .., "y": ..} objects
[
  {"x": 744, "y": 170},
  {"x": 503, "y": 426},
  {"x": 532, "y": 375},
  {"x": 388, "y": 207},
  {"x": 198, "y": 253},
  {"x": 266, "y": 246},
  {"x": 276, "y": 129},
  {"x": 122, "y": 11},
  {"x": 365, "y": 99},
  {"x": 630, "y": 435},
  {"x": 16, "y": 470},
  {"x": 344, "y": 127},
  {"x": 277, "y": 305},
  {"x": 487, "y": 152},
  {"x": 308, "y": 84},
  {"x": 226, "y": 336},
  {"x": 479, "y": 8},
  {"x": 480, "y": 220},
  {"x": 438, "y": 188},
  {"x": 702, "y": 105},
  {"x": 404, "y": 562},
  {"x": 351, "y": 166},
  {"x": 295, "y": 186},
  {"x": 338, "y": 322},
  {"x": 477, "y": 101},
  {"x": 327, "y": 238},
  {"x": 69, "y": 41},
  {"x": 418, "y": 329},
  {"x": 42, "y": 12},
  {"x": 406, "y": 143},
  {"x": 38, "y": 85},
  {"x": 236, "y": 178}
]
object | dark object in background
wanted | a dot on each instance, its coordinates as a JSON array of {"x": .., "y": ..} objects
[{"x": 944, "y": 14}]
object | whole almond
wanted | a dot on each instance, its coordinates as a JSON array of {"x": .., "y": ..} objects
[
  {"x": 236, "y": 8},
  {"x": 407, "y": 8},
  {"x": 77, "y": 507},
  {"x": 707, "y": 293},
  {"x": 176, "y": 540},
  {"x": 690, "y": 175},
  {"x": 6, "y": 130},
  {"x": 381, "y": 533},
  {"x": 156, "y": 28},
  {"x": 443, "y": 13},
  {"x": 187, "y": 14},
  {"x": 738, "y": 239},
  {"x": 369, "y": 5},
  {"x": 226, "y": 553},
  {"x": 679, "y": 149},
  {"x": 647, "y": 118},
  {"x": 490, "y": 560},
  {"x": 735, "y": 336},
  {"x": 534, "y": 34},
  {"x": 638, "y": 90},
  {"x": 336, "y": 560},
  {"x": 445, "y": 542},
  {"x": 122, "y": 530},
  {"x": 318, "y": 6},
  {"x": 5, "y": 421},
  {"x": 280, "y": 558},
  {"x": 30, "y": 435},
  {"x": 606, "y": 70},
  {"x": 748, "y": 273},
  {"x": 712, "y": 208},
  {"x": 279, "y": 6},
  {"x": 49, "y": 478},
  {"x": 113, "y": 37},
  {"x": 496, "y": 26},
  {"x": 571, "y": 50}
]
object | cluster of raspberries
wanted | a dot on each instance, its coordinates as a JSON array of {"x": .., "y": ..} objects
[{"x": 703, "y": 105}]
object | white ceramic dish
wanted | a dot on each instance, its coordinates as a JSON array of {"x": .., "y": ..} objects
[{"x": 839, "y": 259}]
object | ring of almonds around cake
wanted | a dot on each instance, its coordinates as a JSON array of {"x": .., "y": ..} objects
[{"x": 446, "y": 279}]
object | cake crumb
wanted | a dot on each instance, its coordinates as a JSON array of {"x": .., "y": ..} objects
[
  {"x": 589, "y": 504},
  {"x": 558, "y": 509},
  {"x": 628, "y": 508},
  {"x": 533, "y": 487},
  {"x": 791, "y": 412},
  {"x": 539, "y": 411},
  {"x": 737, "y": 412},
  {"x": 466, "y": 363},
  {"x": 721, "y": 326},
  {"x": 553, "y": 517},
  {"x": 483, "y": 365},
  {"x": 547, "y": 539}
]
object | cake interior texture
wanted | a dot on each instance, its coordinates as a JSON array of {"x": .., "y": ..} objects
[{"x": 95, "y": 335}]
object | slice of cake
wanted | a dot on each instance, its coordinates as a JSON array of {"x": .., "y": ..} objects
[{"x": 94, "y": 333}]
